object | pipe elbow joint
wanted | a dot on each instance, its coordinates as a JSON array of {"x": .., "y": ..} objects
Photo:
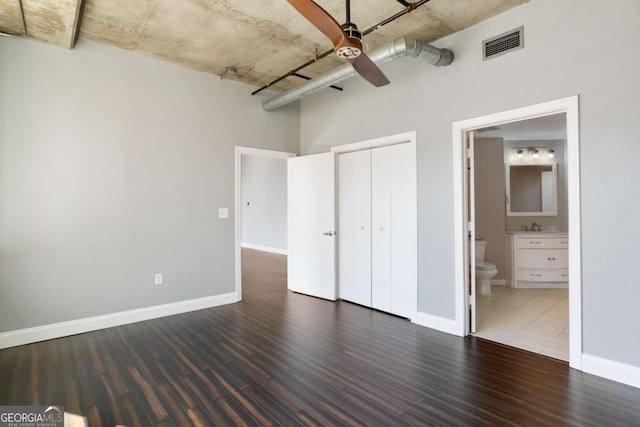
[{"x": 446, "y": 58}]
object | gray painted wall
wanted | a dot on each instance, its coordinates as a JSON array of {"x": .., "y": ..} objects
[
  {"x": 112, "y": 168},
  {"x": 489, "y": 200},
  {"x": 561, "y": 58},
  {"x": 264, "y": 202}
]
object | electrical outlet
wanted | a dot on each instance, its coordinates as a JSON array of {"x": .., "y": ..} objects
[
  {"x": 223, "y": 213},
  {"x": 159, "y": 279}
]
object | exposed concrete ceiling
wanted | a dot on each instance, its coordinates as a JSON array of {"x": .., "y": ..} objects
[
  {"x": 51, "y": 21},
  {"x": 249, "y": 41}
]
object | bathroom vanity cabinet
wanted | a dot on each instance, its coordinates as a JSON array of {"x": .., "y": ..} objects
[{"x": 538, "y": 260}]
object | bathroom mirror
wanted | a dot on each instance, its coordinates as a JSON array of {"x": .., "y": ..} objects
[{"x": 531, "y": 190}]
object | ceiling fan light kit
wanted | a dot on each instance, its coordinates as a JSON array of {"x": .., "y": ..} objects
[
  {"x": 348, "y": 52},
  {"x": 352, "y": 47}
]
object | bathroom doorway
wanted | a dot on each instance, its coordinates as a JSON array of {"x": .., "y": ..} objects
[
  {"x": 521, "y": 224},
  {"x": 468, "y": 301}
]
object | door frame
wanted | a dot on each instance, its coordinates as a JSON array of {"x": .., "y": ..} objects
[
  {"x": 239, "y": 152},
  {"x": 470, "y": 199},
  {"x": 569, "y": 106}
]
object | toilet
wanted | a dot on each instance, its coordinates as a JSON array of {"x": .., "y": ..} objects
[{"x": 485, "y": 271}]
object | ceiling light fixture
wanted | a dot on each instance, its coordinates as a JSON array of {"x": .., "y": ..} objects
[{"x": 532, "y": 154}]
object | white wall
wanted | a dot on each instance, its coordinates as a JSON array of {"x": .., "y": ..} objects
[
  {"x": 571, "y": 47},
  {"x": 112, "y": 168},
  {"x": 264, "y": 203}
]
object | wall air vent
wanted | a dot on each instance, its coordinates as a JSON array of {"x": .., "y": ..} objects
[{"x": 504, "y": 43}]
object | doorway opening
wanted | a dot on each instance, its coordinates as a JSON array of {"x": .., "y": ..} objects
[
  {"x": 531, "y": 259},
  {"x": 260, "y": 205},
  {"x": 520, "y": 228}
]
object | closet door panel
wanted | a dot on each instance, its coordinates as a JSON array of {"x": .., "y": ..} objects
[
  {"x": 354, "y": 227},
  {"x": 403, "y": 224},
  {"x": 346, "y": 191},
  {"x": 381, "y": 230},
  {"x": 362, "y": 232}
]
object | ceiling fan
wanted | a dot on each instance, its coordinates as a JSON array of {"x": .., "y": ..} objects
[{"x": 346, "y": 39}]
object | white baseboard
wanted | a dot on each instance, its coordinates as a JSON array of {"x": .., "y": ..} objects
[
  {"x": 498, "y": 282},
  {"x": 436, "y": 322},
  {"x": 611, "y": 370},
  {"x": 264, "y": 248},
  {"x": 88, "y": 324}
]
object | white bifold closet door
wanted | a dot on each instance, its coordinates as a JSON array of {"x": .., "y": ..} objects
[
  {"x": 378, "y": 228},
  {"x": 354, "y": 223}
]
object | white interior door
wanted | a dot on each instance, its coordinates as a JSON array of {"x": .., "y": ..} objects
[
  {"x": 354, "y": 224},
  {"x": 394, "y": 229},
  {"x": 381, "y": 229},
  {"x": 403, "y": 229},
  {"x": 471, "y": 222},
  {"x": 311, "y": 264}
]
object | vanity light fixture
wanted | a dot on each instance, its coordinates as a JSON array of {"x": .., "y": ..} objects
[{"x": 532, "y": 154}]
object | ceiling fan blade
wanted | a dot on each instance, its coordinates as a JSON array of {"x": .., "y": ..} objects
[
  {"x": 369, "y": 70},
  {"x": 321, "y": 19}
]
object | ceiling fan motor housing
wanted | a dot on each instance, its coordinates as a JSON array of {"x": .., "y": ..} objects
[{"x": 352, "y": 47}]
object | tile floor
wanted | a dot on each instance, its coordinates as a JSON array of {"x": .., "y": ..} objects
[{"x": 536, "y": 320}]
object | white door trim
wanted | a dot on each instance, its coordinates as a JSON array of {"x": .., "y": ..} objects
[
  {"x": 399, "y": 138},
  {"x": 570, "y": 107},
  {"x": 239, "y": 152},
  {"x": 470, "y": 198}
]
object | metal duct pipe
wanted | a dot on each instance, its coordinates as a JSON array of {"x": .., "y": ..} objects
[{"x": 397, "y": 49}]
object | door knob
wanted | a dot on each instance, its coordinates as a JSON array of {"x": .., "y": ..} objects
[{"x": 328, "y": 233}]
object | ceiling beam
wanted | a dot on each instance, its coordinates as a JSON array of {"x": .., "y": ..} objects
[
  {"x": 50, "y": 21},
  {"x": 75, "y": 27}
]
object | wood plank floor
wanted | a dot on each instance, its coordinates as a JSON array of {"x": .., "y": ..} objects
[{"x": 279, "y": 358}]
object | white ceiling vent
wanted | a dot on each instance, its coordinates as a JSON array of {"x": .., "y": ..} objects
[{"x": 504, "y": 43}]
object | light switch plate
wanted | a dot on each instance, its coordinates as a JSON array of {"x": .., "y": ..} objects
[{"x": 223, "y": 213}]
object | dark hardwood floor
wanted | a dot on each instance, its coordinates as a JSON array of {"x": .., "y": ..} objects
[{"x": 279, "y": 358}]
